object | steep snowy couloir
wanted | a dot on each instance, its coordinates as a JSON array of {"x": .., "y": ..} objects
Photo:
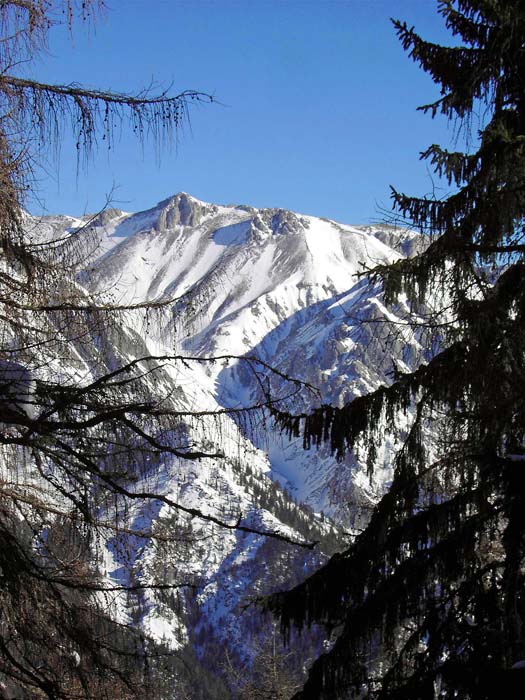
[
  {"x": 277, "y": 285},
  {"x": 264, "y": 283}
]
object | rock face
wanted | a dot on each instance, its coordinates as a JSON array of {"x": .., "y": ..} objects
[
  {"x": 180, "y": 210},
  {"x": 268, "y": 284},
  {"x": 277, "y": 285}
]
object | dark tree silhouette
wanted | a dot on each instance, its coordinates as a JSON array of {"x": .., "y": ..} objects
[
  {"x": 429, "y": 601},
  {"x": 81, "y": 420}
]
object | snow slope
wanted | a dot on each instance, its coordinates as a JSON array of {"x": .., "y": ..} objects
[
  {"x": 276, "y": 285},
  {"x": 263, "y": 283}
]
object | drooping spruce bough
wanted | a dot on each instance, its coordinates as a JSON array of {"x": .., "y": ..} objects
[{"x": 429, "y": 601}]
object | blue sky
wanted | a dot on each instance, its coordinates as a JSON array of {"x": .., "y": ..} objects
[{"x": 317, "y": 114}]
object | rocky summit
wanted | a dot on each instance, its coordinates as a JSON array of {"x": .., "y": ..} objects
[{"x": 287, "y": 291}]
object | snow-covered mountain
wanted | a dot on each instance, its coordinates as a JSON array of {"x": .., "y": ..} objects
[{"x": 274, "y": 286}]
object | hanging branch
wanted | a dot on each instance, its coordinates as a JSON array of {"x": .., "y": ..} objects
[{"x": 94, "y": 114}]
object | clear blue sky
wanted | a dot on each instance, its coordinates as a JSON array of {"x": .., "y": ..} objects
[{"x": 318, "y": 110}]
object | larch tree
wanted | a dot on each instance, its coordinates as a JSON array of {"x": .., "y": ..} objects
[
  {"x": 80, "y": 419},
  {"x": 429, "y": 600}
]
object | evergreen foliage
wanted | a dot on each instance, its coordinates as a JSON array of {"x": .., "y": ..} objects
[{"x": 429, "y": 601}]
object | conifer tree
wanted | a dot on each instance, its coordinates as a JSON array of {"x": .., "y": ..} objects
[
  {"x": 429, "y": 600},
  {"x": 83, "y": 423}
]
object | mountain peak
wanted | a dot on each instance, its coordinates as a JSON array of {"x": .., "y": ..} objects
[{"x": 180, "y": 209}]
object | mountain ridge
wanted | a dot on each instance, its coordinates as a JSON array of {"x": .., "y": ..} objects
[
  {"x": 237, "y": 281},
  {"x": 282, "y": 286}
]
